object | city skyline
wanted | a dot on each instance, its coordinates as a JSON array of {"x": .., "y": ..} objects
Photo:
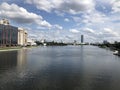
[{"x": 65, "y": 20}]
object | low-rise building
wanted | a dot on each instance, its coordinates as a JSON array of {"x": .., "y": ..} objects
[
  {"x": 22, "y": 37},
  {"x": 4, "y": 22},
  {"x": 8, "y": 34},
  {"x": 31, "y": 42},
  {"x": 11, "y": 35}
]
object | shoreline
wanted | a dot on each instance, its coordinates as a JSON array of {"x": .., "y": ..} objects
[
  {"x": 13, "y": 48},
  {"x": 10, "y": 49}
]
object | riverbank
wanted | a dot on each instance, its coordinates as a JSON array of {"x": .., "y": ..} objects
[
  {"x": 113, "y": 47},
  {"x": 14, "y": 48},
  {"x": 9, "y": 48}
]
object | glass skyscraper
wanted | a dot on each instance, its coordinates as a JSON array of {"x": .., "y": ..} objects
[{"x": 82, "y": 38}]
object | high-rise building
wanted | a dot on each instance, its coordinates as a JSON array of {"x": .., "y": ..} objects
[{"x": 82, "y": 38}]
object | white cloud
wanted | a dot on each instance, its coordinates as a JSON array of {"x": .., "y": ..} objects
[
  {"x": 77, "y": 19},
  {"x": 89, "y": 30},
  {"x": 56, "y": 26},
  {"x": 66, "y": 20},
  {"x": 69, "y": 6},
  {"x": 110, "y": 33},
  {"x": 21, "y": 15},
  {"x": 44, "y": 23},
  {"x": 91, "y": 19},
  {"x": 94, "y": 17},
  {"x": 56, "y": 35},
  {"x": 41, "y": 4},
  {"x": 116, "y": 6},
  {"x": 74, "y": 31}
]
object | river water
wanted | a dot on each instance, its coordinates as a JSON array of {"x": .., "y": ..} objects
[{"x": 60, "y": 68}]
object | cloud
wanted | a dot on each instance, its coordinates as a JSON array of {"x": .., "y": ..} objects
[
  {"x": 77, "y": 19},
  {"x": 45, "y": 5},
  {"x": 66, "y": 20},
  {"x": 56, "y": 35},
  {"x": 91, "y": 33},
  {"x": 21, "y": 15},
  {"x": 56, "y": 26},
  {"x": 110, "y": 33},
  {"x": 75, "y": 6},
  {"x": 94, "y": 17},
  {"x": 74, "y": 31},
  {"x": 89, "y": 30},
  {"x": 116, "y": 6},
  {"x": 43, "y": 23},
  {"x": 69, "y": 6}
]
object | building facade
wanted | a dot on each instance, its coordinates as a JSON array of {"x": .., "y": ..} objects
[
  {"x": 4, "y": 22},
  {"x": 82, "y": 38},
  {"x": 22, "y": 37},
  {"x": 11, "y": 35},
  {"x": 8, "y": 35}
]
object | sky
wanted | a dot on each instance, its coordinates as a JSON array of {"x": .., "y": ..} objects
[{"x": 65, "y": 20}]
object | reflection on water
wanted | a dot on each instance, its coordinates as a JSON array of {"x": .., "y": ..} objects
[
  {"x": 21, "y": 58},
  {"x": 12, "y": 59},
  {"x": 8, "y": 60},
  {"x": 60, "y": 68}
]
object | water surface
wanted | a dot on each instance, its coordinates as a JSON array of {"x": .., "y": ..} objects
[{"x": 60, "y": 68}]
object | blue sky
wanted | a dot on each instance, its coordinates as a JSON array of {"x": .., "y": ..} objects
[{"x": 65, "y": 20}]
